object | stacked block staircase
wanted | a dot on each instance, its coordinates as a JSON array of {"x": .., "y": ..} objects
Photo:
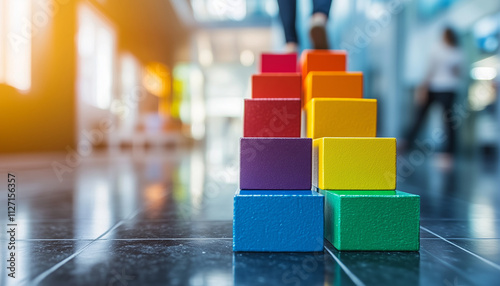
[{"x": 338, "y": 183}]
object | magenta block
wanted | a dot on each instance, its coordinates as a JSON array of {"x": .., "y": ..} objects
[
  {"x": 275, "y": 163},
  {"x": 278, "y": 63}
]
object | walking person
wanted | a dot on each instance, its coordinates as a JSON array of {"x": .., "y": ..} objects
[
  {"x": 440, "y": 87},
  {"x": 319, "y": 17}
]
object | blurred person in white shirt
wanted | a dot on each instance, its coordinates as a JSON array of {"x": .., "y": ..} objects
[{"x": 440, "y": 87}]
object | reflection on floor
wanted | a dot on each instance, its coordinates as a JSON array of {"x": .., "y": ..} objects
[{"x": 164, "y": 218}]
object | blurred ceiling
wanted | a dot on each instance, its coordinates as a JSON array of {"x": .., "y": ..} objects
[{"x": 150, "y": 29}]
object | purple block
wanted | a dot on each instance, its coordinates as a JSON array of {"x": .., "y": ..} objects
[{"x": 275, "y": 163}]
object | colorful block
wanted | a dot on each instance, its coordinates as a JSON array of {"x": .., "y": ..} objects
[
  {"x": 278, "y": 221},
  {"x": 278, "y": 63},
  {"x": 354, "y": 163},
  {"x": 372, "y": 220},
  {"x": 271, "y": 118},
  {"x": 277, "y": 85},
  {"x": 322, "y": 60},
  {"x": 333, "y": 85},
  {"x": 275, "y": 163},
  {"x": 341, "y": 117}
]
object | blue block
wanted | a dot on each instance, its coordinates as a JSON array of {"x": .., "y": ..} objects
[{"x": 278, "y": 221}]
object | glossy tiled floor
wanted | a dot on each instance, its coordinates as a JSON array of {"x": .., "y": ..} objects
[{"x": 164, "y": 218}]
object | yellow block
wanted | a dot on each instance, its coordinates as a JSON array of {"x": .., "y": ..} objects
[
  {"x": 333, "y": 85},
  {"x": 341, "y": 117},
  {"x": 354, "y": 163}
]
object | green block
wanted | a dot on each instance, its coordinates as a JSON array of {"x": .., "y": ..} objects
[{"x": 372, "y": 220}]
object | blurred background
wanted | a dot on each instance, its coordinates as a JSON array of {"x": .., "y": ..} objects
[{"x": 127, "y": 74}]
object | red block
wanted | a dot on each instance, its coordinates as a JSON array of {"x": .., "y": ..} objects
[
  {"x": 271, "y": 118},
  {"x": 278, "y": 63},
  {"x": 276, "y": 85}
]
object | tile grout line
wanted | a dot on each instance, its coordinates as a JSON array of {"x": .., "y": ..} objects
[
  {"x": 494, "y": 265},
  {"x": 458, "y": 272},
  {"x": 51, "y": 270},
  {"x": 351, "y": 275}
]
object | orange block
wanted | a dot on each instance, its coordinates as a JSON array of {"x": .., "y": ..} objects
[
  {"x": 322, "y": 60},
  {"x": 333, "y": 85},
  {"x": 277, "y": 85}
]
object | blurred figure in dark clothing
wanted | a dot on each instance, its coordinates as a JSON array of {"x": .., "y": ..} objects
[
  {"x": 288, "y": 11},
  {"x": 440, "y": 87}
]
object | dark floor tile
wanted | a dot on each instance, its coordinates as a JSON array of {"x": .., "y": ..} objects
[
  {"x": 74, "y": 205},
  {"x": 209, "y": 205},
  {"x": 111, "y": 262},
  {"x": 135, "y": 229},
  {"x": 48, "y": 206},
  {"x": 487, "y": 248},
  {"x": 381, "y": 268},
  {"x": 60, "y": 229},
  {"x": 445, "y": 208},
  {"x": 475, "y": 228},
  {"x": 287, "y": 269},
  {"x": 467, "y": 191},
  {"x": 443, "y": 263},
  {"x": 441, "y": 206},
  {"x": 35, "y": 257}
]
